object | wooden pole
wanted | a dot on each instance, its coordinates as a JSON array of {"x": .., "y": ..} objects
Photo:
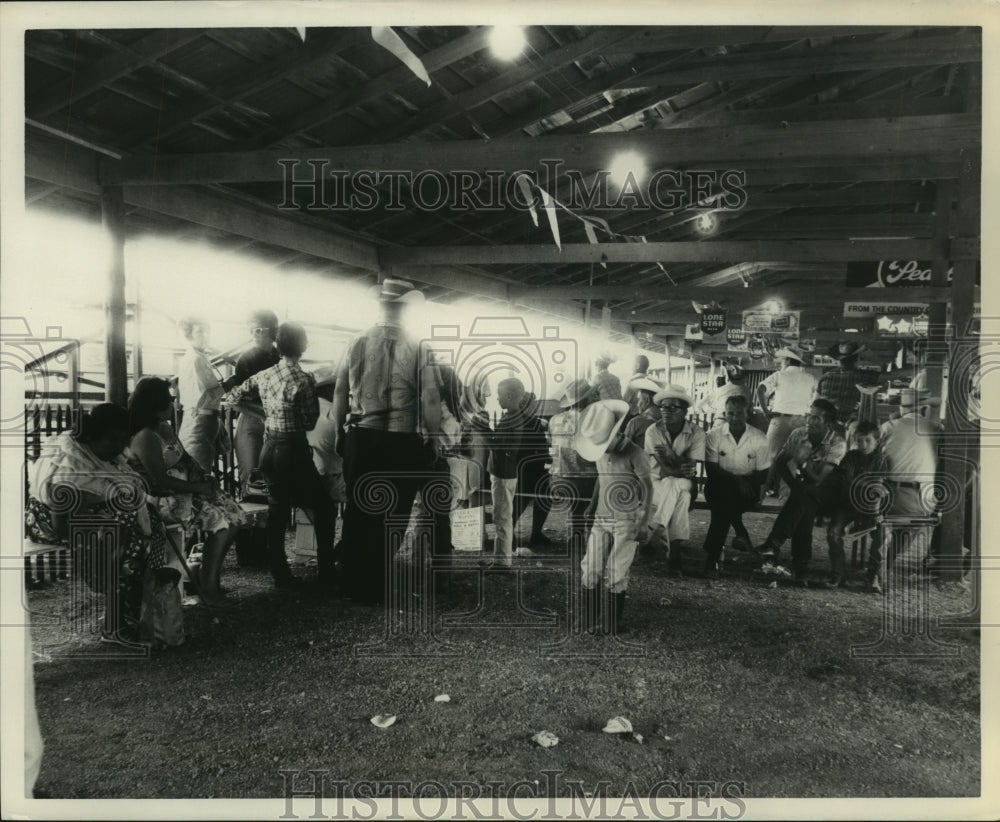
[
  {"x": 116, "y": 364},
  {"x": 954, "y": 450}
]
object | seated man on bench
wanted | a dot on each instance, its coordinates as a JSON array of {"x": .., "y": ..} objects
[{"x": 736, "y": 464}]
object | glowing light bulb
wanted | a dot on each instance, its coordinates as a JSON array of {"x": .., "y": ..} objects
[
  {"x": 706, "y": 223},
  {"x": 507, "y": 42},
  {"x": 625, "y": 164}
]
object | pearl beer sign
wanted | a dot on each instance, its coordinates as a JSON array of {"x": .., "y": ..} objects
[
  {"x": 713, "y": 322},
  {"x": 891, "y": 273}
]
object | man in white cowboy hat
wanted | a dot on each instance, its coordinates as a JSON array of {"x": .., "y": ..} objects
[
  {"x": 641, "y": 373},
  {"x": 573, "y": 477},
  {"x": 645, "y": 412},
  {"x": 784, "y": 399},
  {"x": 622, "y": 496},
  {"x": 842, "y": 385},
  {"x": 674, "y": 448},
  {"x": 394, "y": 389}
]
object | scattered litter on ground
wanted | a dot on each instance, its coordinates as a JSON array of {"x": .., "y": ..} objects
[
  {"x": 546, "y": 739},
  {"x": 383, "y": 720}
]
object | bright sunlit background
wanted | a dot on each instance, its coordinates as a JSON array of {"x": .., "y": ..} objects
[{"x": 59, "y": 281}]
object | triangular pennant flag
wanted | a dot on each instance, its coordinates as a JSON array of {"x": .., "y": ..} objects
[
  {"x": 302, "y": 32},
  {"x": 592, "y": 236},
  {"x": 550, "y": 210},
  {"x": 603, "y": 224},
  {"x": 389, "y": 40},
  {"x": 529, "y": 198}
]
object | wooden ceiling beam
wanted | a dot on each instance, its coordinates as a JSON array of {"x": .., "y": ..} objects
[
  {"x": 666, "y": 252},
  {"x": 805, "y": 293},
  {"x": 147, "y": 50},
  {"x": 664, "y": 38},
  {"x": 174, "y": 118},
  {"x": 505, "y": 83},
  {"x": 930, "y": 137},
  {"x": 343, "y": 102},
  {"x": 840, "y": 57}
]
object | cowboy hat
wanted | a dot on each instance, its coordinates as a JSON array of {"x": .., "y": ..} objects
[
  {"x": 911, "y": 398},
  {"x": 324, "y": 375},
  {"x": 396, "y": 291},
  {"x": 598, "y": 427},
  {"x": 575, "y": 392},
  {"x": 845, "y": 349},
  {"x": 790, "y": 353},
  {"x": 644, "y": 384},
  {"x": 672, "y": 392}
]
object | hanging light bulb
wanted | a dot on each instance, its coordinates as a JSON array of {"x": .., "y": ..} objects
[
  {"x": 706, "y": 223},
  {"x": 625, "y": 164},
  {"x": 507, "y": 42}
]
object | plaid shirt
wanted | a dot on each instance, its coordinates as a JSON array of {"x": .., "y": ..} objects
[
  {"x": 839, "y": 386},
  {"x": 288, "y": 395}
]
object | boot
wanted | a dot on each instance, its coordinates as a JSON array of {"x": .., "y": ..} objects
[
  {"x": 213, "y": 555},
  {"x": 618, "y": 625},
  {"x": 590, "y": 605}
]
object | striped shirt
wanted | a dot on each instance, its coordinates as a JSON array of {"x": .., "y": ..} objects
[{"x": 288, "y": 395}]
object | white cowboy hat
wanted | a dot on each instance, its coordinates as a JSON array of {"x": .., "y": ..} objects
[
  {"x": 598, "y": 427},
  {"x": 644, "y": 384},
  {"x": 672, "y": 392},
  {"x": 911, "y": 398},
  {"x": 575, "y": 392},
  {"x": 396, "y": 291},
  {"x": 790, "y": 354}
]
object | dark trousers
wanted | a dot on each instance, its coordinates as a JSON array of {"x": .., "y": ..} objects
[
  {"x": 382, "y": 474},
  {"x": 533, "y": 486},
  {"x": 796, "y": 520},
  {"x": 729, "y": 497},
  {"x": 575, "y": 492},
  {"x": 286, "y": 461}
]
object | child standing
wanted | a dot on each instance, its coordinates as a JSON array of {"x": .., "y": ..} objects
[
  {"x": 622, "y": 498},
  {"x": 859, "y": 477}
]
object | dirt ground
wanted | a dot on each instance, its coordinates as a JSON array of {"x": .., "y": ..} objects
[{"x": 734, "y": 682}]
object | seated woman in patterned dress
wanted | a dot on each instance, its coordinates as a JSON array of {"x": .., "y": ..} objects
[
  {"x": 81, "y": 485},
  {"x": 184, "y": 492}
]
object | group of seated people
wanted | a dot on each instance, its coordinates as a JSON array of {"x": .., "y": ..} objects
[{"x": 625, "y": 466}]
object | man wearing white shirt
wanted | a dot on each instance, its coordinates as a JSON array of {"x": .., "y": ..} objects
[
  {"x": 736, "y": 463},
  {"x": 784, "y": 398}
]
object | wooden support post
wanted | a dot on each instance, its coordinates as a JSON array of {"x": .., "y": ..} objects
[
  {"x": 116, "y": 365},
  {"x": 954, "y": 452},
  {"x": 937, "y": 316}
]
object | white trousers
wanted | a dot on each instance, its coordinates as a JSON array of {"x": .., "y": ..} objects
[
  {"x": 503, "y": 518},
  {"x": 671, "y": 500},
  {"x": 615, "y": 569}
]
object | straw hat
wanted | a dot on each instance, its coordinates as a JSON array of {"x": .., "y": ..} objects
[
  {"x": 598, "y": 427},
  {"x": 644, "y": 384},
  {"x": 790, "y": 353},
  {"x": 672, "y": 392},
  {"x": 911, "y": 398}
]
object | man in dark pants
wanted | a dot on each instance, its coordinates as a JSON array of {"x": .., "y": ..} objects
[
  {"x": 291, "y": 408},
  {"x": 736, "y": 463},
  {"x": 532, "y": 477},
  {"x": 806, "y": 463},
  {"x": 395, "y": 398}
]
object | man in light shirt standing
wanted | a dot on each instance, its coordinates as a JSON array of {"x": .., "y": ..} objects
[{"x": 784, "y": 398}]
